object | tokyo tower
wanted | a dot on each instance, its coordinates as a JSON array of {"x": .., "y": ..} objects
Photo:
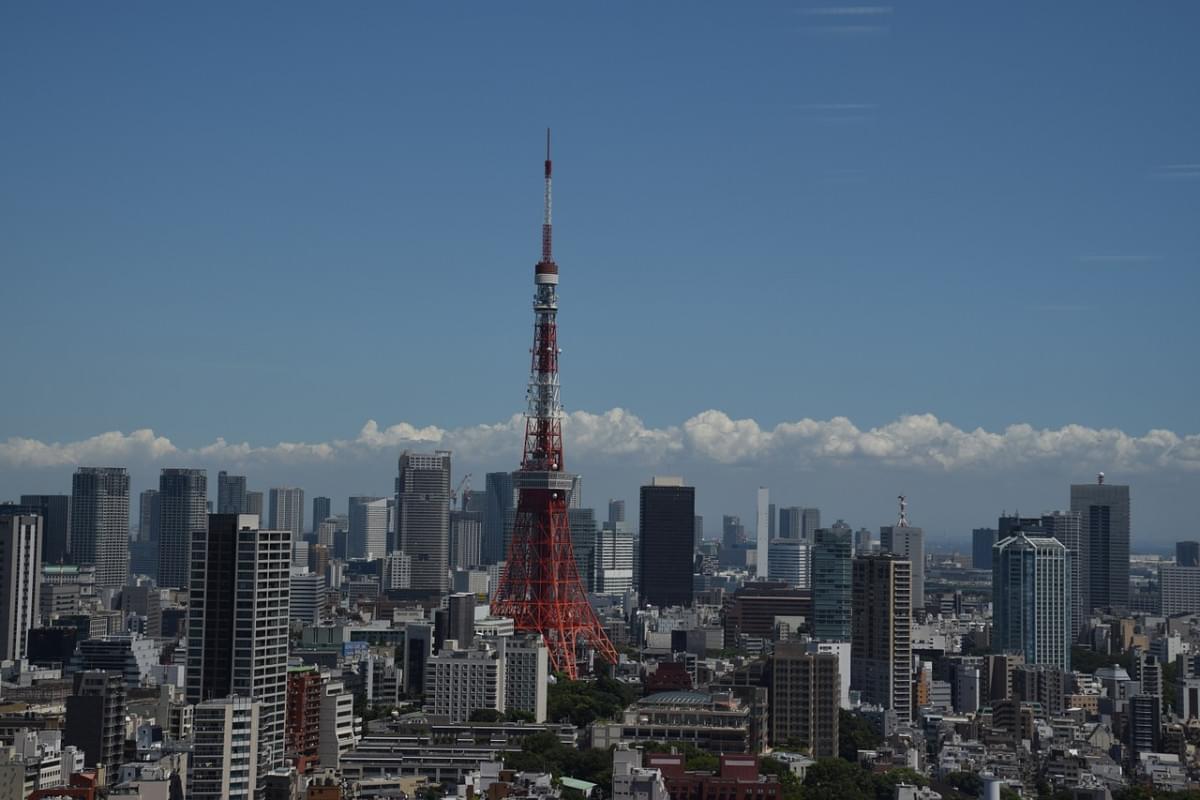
[{"x": 540, "y": 588}]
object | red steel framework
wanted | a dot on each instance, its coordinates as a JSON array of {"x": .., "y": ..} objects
[{"x": 540, "y": 588}]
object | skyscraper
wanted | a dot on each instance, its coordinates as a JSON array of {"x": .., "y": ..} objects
[
  {"x": 762, "y": 532},
  {"x": 982, "y": 540},
  {"x": 237, "y": 634},
  {"x": 466, "y": 539},
  {"x": 148, "y": 510},
  {"x": 423, "y": 518},
  {"x": 667, "y": 513},
  {"x": 1067, "y": 527},
  {"x": 584, "y": 531},
  {"x": 1187, "y": 554},
  {"x": 614, "y": 560},
  {"x": 321, "y": 512},
  {"x": 831, "y": 584},
  {"x": 368, "y": 527},
  {"x": 789, "y": 560},
  {"x": 500, "y": 502},
  {"x": 791, "y": 522},
  {"x": 1104, "y": 512},
  {"x": 733, "y": 532},
  {"x": 100, "y": 523},
  {"x": 254, "y": 504},
  {"x": 908, "y": 542},
  {"x": 55, "y": 511},
  {"x": 231, "y": 494},
  {"x": 182, "y": 494},
  {"x": 616, "y": 511},
  {"x": 20, "y": 575},
  {"x": 1031, "y": 592},
  {"x": 287, "y": 511},
  {"x": 881, "y": 632}
]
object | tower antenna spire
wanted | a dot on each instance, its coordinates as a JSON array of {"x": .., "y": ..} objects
[{"x": 547, "y": 232}]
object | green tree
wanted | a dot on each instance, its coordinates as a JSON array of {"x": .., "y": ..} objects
[
  {"x": 854, "y": 734},
  {"x": 966, "y": 782},
  {"x": 486, "y": 715}
]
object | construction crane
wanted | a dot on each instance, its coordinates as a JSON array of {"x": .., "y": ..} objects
[{"x": 464, "y": 486}]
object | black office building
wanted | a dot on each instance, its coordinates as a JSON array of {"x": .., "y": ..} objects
[
  {"x": 667, "y": 522},
  {"x": 1187, "y": 554},
  {"x": 55, "y": 511}
]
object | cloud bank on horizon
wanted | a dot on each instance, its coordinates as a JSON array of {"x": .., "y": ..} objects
[{"x": 916, "y": 440}]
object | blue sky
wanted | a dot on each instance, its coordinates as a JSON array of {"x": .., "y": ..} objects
[{"x": 271, "y": 223}]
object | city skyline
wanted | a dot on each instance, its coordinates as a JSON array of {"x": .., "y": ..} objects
[{"x": 758, "y": 213}]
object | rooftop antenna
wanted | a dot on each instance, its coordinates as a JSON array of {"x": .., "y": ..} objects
[
  {"x": 903, "y": 523},
  {"x": 1100, "y": 478}
]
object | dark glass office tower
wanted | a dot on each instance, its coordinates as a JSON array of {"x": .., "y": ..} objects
[
  {"x": 667, "y": 517},
  {"x": 55, "y": 511},
  {"x": 1104, "y": 514},
  {"x": 1187, "y": 554},
  {"x": 831, "y": 584},
  {"x": 423, "y": 518}
]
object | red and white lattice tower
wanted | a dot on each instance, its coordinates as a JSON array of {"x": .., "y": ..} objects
[{"x": 540, "y": 588}]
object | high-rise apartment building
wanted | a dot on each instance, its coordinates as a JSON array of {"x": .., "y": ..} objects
[
  {"x": 225, "y": 762},
  {"x": 1031, "y": 596},
  {"x": 237, "y": 634},
  {"x": 100, "y": 523},
  {"x": 614, "y": 560},
  {"x": 1187, "y": 554},
  {"x": 423, "y": 518},
  {"x": 231, "y": 493},
  {"x": 148, "y": 511},
  {"x": 368, "y": 527},
  {"x": 1179, "y": 589},
  {"x": 182, "y": 494},
  {"x": 55, "y": 511},
  {"x": 20, "y": 577},
  {"x": 667, "y": 513},
  {"x": 500, "y": 502},
  {"x": 881, "y": 632},
  {"x": 466, "y": 539},
  {"x": 254, "y": 504},
  {"x": 831, "y": 585},
  {"x": 762, "y": 532},
  {"x": 1104, "y": 512},
  {"x": 1067, "y": 527},
  {"x": 908, "y": 543},
  {"x": 321, "y": 511},
  {"x": 287, "y": 511},
  {"x": 982, "y": 540},
  {"x": 804, "y": 693}
]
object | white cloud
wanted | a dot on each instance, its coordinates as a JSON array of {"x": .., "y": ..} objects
[{"x": 918, "y": 441}]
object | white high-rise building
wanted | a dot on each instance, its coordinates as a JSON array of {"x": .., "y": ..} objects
[
  {"x": 908, "y": 543},
  {"x": 224, "y": 760},
  {"x": 239, "y": 604},
  {"x": 287, "y": 511},
  {"x": 458, "y": 682},
  {"x": 338, "y": 733},
  {"x": 791, "y": 562},
  {"x": 614, "y": 559},
  {"x": 368, "y": 527},
  {"x": 308, "y": 596},
  {"x": 762, "y": 535},
  {"x": 20, "y": 576},
  {"x": 1032, "y": 598},
  {"x": 526, "y": 673},
  {"x": 397, "y": 571}
]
